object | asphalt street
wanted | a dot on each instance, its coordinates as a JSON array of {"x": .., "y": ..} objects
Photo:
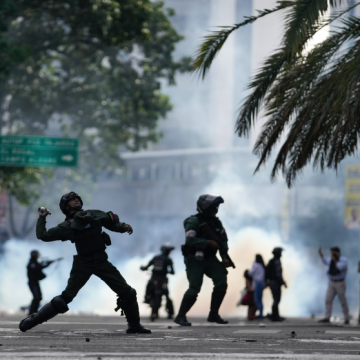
[{"x": 102, "y": 337}]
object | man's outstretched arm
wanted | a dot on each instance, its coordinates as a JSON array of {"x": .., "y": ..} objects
[
  {"x": 52, "y": 234},
  {"x": 112, "y": 222},
  {"x": 144, "y": 268}
]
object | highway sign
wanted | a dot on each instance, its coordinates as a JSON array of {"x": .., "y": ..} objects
[{"x": 38, "y": 151}]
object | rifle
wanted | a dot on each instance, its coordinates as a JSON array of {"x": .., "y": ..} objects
[
  {"x": 45, "y": 261},
  {"x": 211, "y": 236}
]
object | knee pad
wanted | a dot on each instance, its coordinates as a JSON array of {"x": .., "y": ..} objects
[
  {"x": 59, "y": 304},
  {"x": 129, "y": 298}
]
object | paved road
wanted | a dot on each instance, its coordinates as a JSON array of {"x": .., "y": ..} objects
[{"x": 65, "y": 337}]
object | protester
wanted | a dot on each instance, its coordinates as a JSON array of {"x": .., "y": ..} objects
[
  {"x": 337, "y": 286},
  {"x": 275, "y": 280},
  {"x": 257, "y": 272},
  {"x": 248, "y": 299}
]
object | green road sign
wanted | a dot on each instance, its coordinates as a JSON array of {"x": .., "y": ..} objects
[{"x": 38, "y": 151}]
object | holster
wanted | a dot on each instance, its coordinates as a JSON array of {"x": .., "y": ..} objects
[
  {"x": 106, "y": 238},
  {"x": 185, "y": 250}
]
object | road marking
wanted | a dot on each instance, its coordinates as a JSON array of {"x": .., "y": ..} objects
[
  {"x": 9, "y": 330},
  {"x": 335, "y": 341},
  {"x": 341, "y": 332},
  {"x": 173, "y": 356},
  {"x": 256, "y": 331}
]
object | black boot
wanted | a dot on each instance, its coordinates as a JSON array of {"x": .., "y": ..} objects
[
  {"x": 217, "y": 298},
  {"x": 131, "y": 310},
  {"x": 186, "y": 304},
  {"x": 34, "y": 307},
  {"x": 169, "y": 308},
  {"x": 216, "y": 318},
  {"x": 46, "y": 313}
]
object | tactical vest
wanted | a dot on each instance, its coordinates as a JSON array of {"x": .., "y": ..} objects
[
  {"x": 160, "y": 265},
  {"x": 89, "y": 240},
  {"x": 215, "y": 226}
]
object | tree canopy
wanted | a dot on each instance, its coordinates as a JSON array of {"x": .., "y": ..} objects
[
  {"x": 311, "y": 97},
  {"x": 87, "y": 69}
]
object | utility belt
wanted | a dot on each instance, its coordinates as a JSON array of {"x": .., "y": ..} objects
[
  {"x": 200, "y": 254},
  {"x": 337, "y": 280}
]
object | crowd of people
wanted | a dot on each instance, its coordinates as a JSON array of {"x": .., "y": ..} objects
[
  {"x": 205, "y": 237},
  {"x": 257, "y": 279}
]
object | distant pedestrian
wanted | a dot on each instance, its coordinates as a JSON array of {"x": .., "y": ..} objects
[
  {"x": 257, "y": 272},
  {"x": 275, "y": 279},
  {"x": 338, "y": 265},
  {"x": 248, "y": 299}
]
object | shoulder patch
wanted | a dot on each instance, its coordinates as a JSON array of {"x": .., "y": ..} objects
[
  {"x": 190, "y": 233},
  {"x": 113, "y": 217}
]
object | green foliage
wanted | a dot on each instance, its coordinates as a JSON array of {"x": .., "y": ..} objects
[
  {"x": 14, "y": 179},
  {"x": 93, "y": 70},
  {"x": 312, "y": 96}
]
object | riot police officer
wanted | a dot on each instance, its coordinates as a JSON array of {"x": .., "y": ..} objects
[
  {"x": 84, "y": 228},
  {"x": 158, "y": 284},
  {"x": 200, "y": 258},
  {"x": 35, "y": 274}
]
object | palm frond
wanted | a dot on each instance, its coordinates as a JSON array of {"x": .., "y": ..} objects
[
  {"x": 300, "y": 22},
  {"x": 213, "y": 43},
  {"x": 285, "y": 98},
  {"x": 327, "y": 127},
  {"x": 271, "y": 69}
]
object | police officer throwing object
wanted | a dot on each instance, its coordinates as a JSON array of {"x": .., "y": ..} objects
[
  {"x": 35, "y": 274},
  {"x": 84, "y": 228},
  {"x": 157, "y": 285},
  {"x": 275, "y": 279},
  {"x": 200, "y": 257}
]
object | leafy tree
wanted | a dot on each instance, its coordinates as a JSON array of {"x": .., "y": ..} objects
[
  {"x": 93, "y": 70},
  {"x": 311, "y": 97}
]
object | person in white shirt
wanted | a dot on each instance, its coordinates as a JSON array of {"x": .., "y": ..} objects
[
  {"x": 337, "y": 273},
  {"x": 257, "y": 272}
]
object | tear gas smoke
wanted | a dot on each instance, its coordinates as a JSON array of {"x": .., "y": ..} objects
[{"x": 303, "y": 276}]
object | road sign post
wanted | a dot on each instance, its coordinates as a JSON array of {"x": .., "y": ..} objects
[{"x": 35, "y": 151}]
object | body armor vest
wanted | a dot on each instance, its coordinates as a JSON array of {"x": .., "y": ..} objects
[
  {"x": 89, "y": 240},
  {"x": 160, "y": 265},
  {"x": 215, "y": 227}
]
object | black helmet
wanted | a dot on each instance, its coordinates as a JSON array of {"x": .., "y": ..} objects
[
  {"x": 66, "y": 198},
  {"x": 166, "y": 248},
  {"x": 205, "y": 202},
  {"x": 34, "y": 254}
]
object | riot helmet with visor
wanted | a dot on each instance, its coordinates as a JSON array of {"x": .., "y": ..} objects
[{"x": 207, "y": 203}]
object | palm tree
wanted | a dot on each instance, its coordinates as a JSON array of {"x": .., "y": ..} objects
[{"x": 310, "y": 97}]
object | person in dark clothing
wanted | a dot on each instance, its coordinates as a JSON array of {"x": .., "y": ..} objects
[
  {"x": 158, "y": 284},
  {"x": 84, "y": 228},
  {"x": 251, "y": 315},
  {"x": 35, "y": 274},
  {"x": 275, "y": 280},
  {"x": 200, "y": 258}
]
